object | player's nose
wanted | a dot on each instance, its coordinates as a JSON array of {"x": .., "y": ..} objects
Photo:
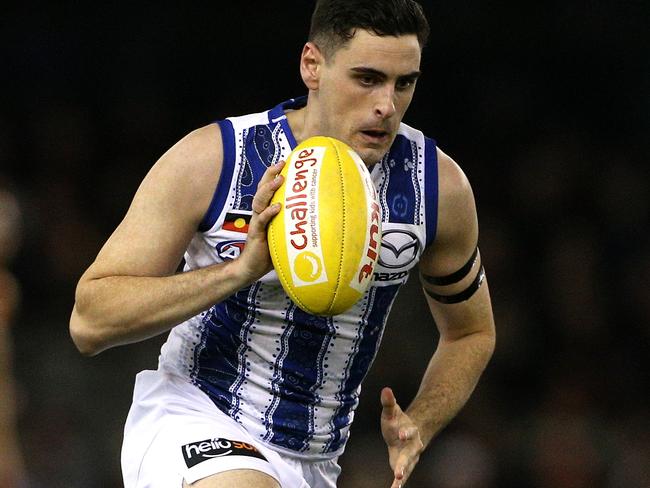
[{"x": 385, "y": 102}]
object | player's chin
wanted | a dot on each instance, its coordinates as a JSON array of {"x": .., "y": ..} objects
[
  {"x": 372, "y": 155},
  {"x": 373, "y": 149}
]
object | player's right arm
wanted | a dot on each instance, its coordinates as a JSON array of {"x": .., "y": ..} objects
[{"x": 131, "y": 291}]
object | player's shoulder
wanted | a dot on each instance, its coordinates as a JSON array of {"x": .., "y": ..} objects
[
  {"x": 198, "y": 148},
  {"x": 456, "y": 205},
  {"x": 195, "y": 160},
  {"x": 184, "y": 177},
  {"x": 453, "y": 182}
]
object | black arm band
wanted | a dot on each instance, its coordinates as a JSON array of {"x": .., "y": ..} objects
[
  {"x": 453, "y": 277},
  {"x": 463, "y": 295}
]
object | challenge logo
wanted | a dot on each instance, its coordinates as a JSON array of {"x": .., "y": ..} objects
[
  {"x": 308, "y": 266},
  {"x": 302, "y": 229},
  {"x": 200, "y": 451},
  {"x": 301, "y": 197}
]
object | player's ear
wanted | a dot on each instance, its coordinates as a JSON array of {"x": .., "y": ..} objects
[{"x": 311, "y": 61}]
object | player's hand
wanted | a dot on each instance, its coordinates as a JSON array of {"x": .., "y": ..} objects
[
  {"x": 402, "y": 438},
  {"x": 255, "y": 260}
]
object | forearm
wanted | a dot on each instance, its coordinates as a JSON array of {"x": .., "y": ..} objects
[
  {"x": 117, "y": 310},
  {"x": 450, "y": 379}
]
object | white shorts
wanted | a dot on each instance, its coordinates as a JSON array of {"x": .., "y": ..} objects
[{"x": 174, "y": 432}]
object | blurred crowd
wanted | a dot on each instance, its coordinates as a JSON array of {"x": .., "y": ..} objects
[{"x": 547, "y": 109}]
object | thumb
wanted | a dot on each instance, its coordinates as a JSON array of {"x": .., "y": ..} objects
[{"x": 389, "y": 403}]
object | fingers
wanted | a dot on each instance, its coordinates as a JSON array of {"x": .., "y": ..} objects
[
  {"x": 267, "y": 214},
  {"x": 403, "y": 469},
  {"x": 408, "y": 433},
  {"x": 271, "y": 172},
  {"x": 389, "y": 404},
  {"x": 263, "y": 213},
  {"x": 270, "y": 182},
  {"x": 399, "y": 473},
  {"x": 402, "y": 437},
  {"x": 390, "y": 415},
  {"x": 409, "y": 455},
  {"x": 402, "y": 472}
]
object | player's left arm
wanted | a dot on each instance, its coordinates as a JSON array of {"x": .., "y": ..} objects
[{"x": 456, "y": 290}]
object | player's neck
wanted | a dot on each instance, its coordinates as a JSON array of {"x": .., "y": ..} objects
[{"x": 303, "y": 123}]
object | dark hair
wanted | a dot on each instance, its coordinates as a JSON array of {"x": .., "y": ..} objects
[{"x": 334, "y": 22}]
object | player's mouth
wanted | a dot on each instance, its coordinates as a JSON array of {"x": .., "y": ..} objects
[{"x": 376, "y": 136}]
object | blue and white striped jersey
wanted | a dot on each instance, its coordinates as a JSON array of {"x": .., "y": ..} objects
[{"x": 292, "y": 379}]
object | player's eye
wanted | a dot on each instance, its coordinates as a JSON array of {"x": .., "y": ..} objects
[
  {"x": 404, "y": 83},
  {"x": 367, "y": 80}
]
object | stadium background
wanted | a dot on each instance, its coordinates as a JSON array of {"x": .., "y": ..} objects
[{"x": 546, "y": 105}]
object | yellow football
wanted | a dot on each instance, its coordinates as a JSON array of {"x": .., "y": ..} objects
[{"x": 325, "y": 241}]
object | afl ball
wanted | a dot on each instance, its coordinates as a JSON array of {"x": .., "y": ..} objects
[{"x": 324, "y": 243}]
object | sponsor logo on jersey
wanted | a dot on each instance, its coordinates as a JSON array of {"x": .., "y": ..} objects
[
  {"x": 400, "y": 205},
  {"x": 399, "y": 248},
  {"x": 237, "y": 221},
  {"x": 400, "y": 275},
  {"x": 197, "y": 452},
  {"x": 230, "y": 249}
]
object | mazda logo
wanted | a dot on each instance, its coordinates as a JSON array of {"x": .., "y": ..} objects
[{"x": 399, "y": 248}]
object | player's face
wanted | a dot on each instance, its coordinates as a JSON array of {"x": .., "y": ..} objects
[{"x": 364, "y": 90}]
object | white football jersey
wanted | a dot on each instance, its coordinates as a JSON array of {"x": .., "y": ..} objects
[{"x": 290, "y": 378}]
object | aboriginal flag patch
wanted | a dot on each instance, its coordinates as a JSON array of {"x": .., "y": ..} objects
[
  {"x": 197, "y": 452},
  {"x": 237, "y": 221}
]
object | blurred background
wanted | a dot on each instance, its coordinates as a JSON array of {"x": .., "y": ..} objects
[{"x": 546, "y": 106}]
